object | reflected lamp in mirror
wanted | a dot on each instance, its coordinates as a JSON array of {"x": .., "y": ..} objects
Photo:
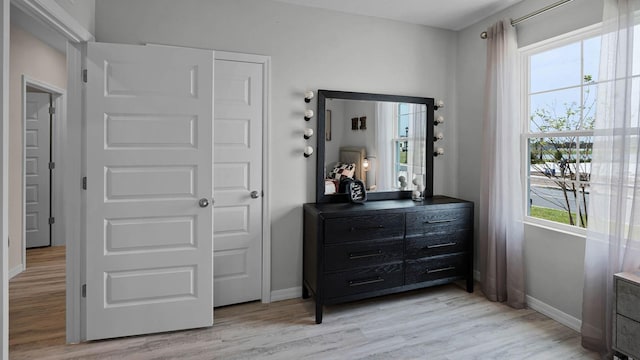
[{"x": 365, "y": 164}]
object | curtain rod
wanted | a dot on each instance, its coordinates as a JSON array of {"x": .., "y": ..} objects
[{"x": 483, "y": 35}]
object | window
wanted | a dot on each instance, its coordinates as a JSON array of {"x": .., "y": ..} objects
[{"x": 561, "y": 92}]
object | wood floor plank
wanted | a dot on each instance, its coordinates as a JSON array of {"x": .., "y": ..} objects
[{"x": 437, "y": 323}]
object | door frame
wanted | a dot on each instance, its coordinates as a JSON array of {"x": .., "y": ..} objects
[
  {"x": 265, "y": 62},
  {"x": 70, "y": 148},
  {"x": 58, "y": 100}
]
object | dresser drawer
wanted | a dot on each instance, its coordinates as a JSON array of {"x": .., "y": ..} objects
[
  {"x": 439, "y": 267},
  {"x": 439, "y": 221},
  {"x": 628, "y": 300},
  {"x": 364, "y": 280},
  {"x": 358, "y": 228},
  {"x": 627, "y": 336},
  {"x": 361, "y": 254},
  {"x": 419, "y": 246}
]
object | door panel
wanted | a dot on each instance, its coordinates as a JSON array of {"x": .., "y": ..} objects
[
  {"x": 238, "y": 172},
  {"x": 149, "y": 162},
  {"x": 37, "y": 173}
]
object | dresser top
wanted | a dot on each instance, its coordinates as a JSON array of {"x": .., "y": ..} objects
[
  {"x": 632, "y": 277},
  {"x": 403, "y": 204}
]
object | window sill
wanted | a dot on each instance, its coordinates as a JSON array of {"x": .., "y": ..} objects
[{"x": 554, "y": 226}]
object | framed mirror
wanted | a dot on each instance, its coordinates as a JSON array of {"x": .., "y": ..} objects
[{"x": 386, "y": 141}]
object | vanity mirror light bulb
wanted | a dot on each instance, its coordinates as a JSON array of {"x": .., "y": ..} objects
[
  {"x": 308, "y": 150},
  {"x": 308, "y": 133},
  {"x": 440, "y": 103},
  {"x": 439, "y": 136},
  {"x": 308, "y": 95},
  {"x": 365, "y": 164},
  {"x": 439, "y": 120},
  {"x": 439, "y": 151},
  {"x": 308, "y": 114}
]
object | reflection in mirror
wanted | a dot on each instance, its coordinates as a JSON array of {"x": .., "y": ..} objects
[{"x": 379, "y": 139}]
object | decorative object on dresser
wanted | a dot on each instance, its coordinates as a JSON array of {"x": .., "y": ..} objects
[
  {"x": 626, "y": 321},
  {"x": 357, "y": 251}
]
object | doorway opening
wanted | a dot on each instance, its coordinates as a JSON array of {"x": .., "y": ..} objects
[{"x": 41, "y": 108}]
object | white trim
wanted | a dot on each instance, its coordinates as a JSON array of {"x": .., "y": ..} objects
[
  {"x": 4, "y": 180},
  {"x": 52, "y": 14},
  {"x": 286, "y": 294},
  {"x": 72, "y": 149},
  {"x": 561, "y": 40},
  {"x": 59, "y": 99},
  {"x": 556, "y": 226},
  {"x": 16, "y": 270},
  {"x": 555, "y": 314}
]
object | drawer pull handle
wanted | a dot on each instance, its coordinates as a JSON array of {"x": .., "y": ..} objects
[
  {"x": 440, "y": 245},
  {"x": 440, "y": 270},
  {"x": 366, "y": 228},
  {"x": 440, "y": 221},
  {"x": 355, "y": 256},
  {"x": 365, "y": 282}
]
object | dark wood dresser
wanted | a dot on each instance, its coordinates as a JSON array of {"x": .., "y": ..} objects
[{"x": 357, "y": 251}]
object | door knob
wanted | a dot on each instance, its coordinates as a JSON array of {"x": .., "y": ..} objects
[
  {"x": 203, "y": 202},
  {"x": 255, "y": 194}
]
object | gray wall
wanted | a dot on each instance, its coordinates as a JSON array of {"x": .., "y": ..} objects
[
  {"x": 310, "y": 49},
  {"x": 81, "y": 10},
  {"x": 554, "y": 260}
]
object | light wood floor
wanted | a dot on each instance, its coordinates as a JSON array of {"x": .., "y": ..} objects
[{"x": 438, "y": 323}]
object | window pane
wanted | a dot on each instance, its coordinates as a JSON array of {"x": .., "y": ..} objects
[
  {"x": 559, "y": 172},
  {"x": 555, "y": 111},
  {"x": 591, "y": 58},
  {"x": 636, "y": 50},
  {"x": 583, "y": 169},
  {"x": 556, "y": 68},
  {"x": 590, "y": 101}
]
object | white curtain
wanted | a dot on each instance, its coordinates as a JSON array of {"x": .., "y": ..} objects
[
  {"x": 501, "y": 202},
  {"x": 613, "y": 233},
  {"x": 385, "y": 113}
]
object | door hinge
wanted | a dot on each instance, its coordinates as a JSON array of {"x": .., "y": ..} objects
[
  {"x": 84, "y": 290},
  {"x": 52, "y": 165},
  {"x": 52, "y": 110},
  {"x": 84, "y": 75},
  {"x": 52, "y": 220},
  {"x": 84, "y": 183}
]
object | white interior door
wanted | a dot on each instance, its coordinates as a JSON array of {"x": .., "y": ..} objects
[
  {"x": 149, "y": 182},
  {"x": 238, "y": 174},
  {"x": 37, "y": 194}
]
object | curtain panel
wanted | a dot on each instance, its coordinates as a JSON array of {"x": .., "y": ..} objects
[{"x": 501, "y": 202}]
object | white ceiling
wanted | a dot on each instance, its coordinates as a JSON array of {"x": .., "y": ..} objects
[{"x": 449, "y": 14}]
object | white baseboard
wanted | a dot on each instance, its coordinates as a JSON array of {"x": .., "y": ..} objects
[
  {"x": 16, "y": 270},
  {"x": 557, "y": 315},
  {"x": 286, "y": 294}
]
